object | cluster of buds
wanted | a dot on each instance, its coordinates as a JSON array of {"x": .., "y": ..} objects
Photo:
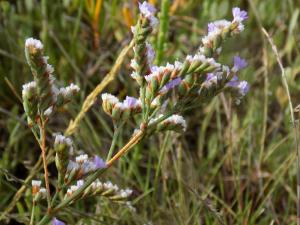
[
  {"x": 82, "y": 166},
  {"x": 143, "y": 51},
  {"x": 219, "y": 30},
  {"x": 226, "y": 79},
  {"x": 196, "y": 79},
  {"x": 98, "y": 188},
  {"x": 120, "y": 110},
  {"x": 175, "y": 123},
  {"x": 63, "y": 147},
  {"x": 38, "y": 192},
  {"x": 41, "y": 96}
]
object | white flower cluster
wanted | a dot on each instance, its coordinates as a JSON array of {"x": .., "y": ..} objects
[
  {"x": 215, "y": 29},
  {"x": 86, "y": 166},
  {"x": 33, "y": 44},
  {"x": 69, "y": 91},
  {"x": 74, "y": 188},
  {"x": 209, "y": 62},
  {"x": 28, "y": 88},
  {"x": 176, "y": 120},
  {"x": 36, "y": 189},
  {"x": 111, "y": 103},
  {"x": 158, "y": 72},
  {"x": 61, "y": 139},
  {"x": 50, "y": 97},
  {"x": 36, "y": 183},
  {"x": 82, "y": 166},
  {"x": 108, "y": 187}
]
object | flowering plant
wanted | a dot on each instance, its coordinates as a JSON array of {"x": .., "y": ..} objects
[{"x": 192, "y": 82}]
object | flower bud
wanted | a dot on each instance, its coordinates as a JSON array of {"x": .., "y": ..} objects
[
  {"x": 63, "y": 147},
  {"x": 36, "y": 185},
  {"x": 41, "y": 71},
  {"x": 66, "y": 94},
  {"x": 108, "y": 102},
  {"x": 175, "y": 123},
  {"x": 30, "y": 100}
]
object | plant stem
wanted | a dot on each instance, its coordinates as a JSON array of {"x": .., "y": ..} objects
[
  {"x": 43, "y": 148},
  {"x": 294, "y": 124},
  {"x": 163, "y": 30},
  {"x": 114, "y": 140},
  {"x": 32, "y": 212},
  {"x": 134, "y": 140}
]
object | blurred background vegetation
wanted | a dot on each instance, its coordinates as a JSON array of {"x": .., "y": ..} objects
[{"x": 234, "y": 165}]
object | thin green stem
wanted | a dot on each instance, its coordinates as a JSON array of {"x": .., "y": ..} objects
[
  {"x": 114, "y": 140},
  {"x": 32, "y": 212},
  {"x": 163, "y": 30},
  {"x": 161, "y": 157},
  {"x": 133, "y": 141},
  {"x": 294, "y": 123}
]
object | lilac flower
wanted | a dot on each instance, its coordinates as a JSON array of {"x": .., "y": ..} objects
[
  {"x": 131, "y": 102},
  {"x": 99, "y": 162},
  {"x": 210, "y": 79},
  {"x": 170, "y": 85},
  {"x": 218, "y": 25},
  {"x": 57, "y": 222},
  {"x": 239, "y": 15},
  {"x": 148, "y": 11},
  {"x": 79, "y": 183},
  {"x": 210, "y": 76},
  {"x": 150, "y": 53},
  {"x": 243, "y": 88},
  {"x": 234, "y": 82},
  {"x": 239, "y": 63}
]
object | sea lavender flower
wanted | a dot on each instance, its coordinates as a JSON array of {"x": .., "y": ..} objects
[
  {"x": 99, "y": 162},
  {"x": 36, "y": 185},
  {"x": 80, "y": 183},
  {"x": 108, "y": 102},
  {"x": 148, "y": 11},
  {"x": 150, "y": 53},
  {"x": 30, "y": 101},
  {"x": 29, "y": 88},
  {"x": 239, "y": 15},
  {"x": 243, "y": 88},
  {"x": 63, "y": 146},
  {"x": 131, "y": 102},
  {"x": 218, "y": 26},
  {"x": 65, "y": 94},
  {"x": 62, "y": 140},
  {"x": 211, "y": 79},
  {"x": 239, "y": 63},
  {"x": 170, "y": 85},
  {"x": 57, "y": 222},
  {"x": 175, "y": 122},
  {"x": 33, "y": 45},
  {"x": 81, "y": 158}
]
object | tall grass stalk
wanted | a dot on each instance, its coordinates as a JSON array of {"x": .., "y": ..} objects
[{"x": 294, "y": 124}]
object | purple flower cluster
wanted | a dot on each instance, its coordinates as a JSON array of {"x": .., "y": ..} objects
[
  {"x": 57, "y": 222},
  {"x": 148, "y": 11}
]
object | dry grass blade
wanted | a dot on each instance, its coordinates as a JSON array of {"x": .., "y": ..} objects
[
  {"x": 295, "y": 127},
  {"x": 90, "y": 100}
]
